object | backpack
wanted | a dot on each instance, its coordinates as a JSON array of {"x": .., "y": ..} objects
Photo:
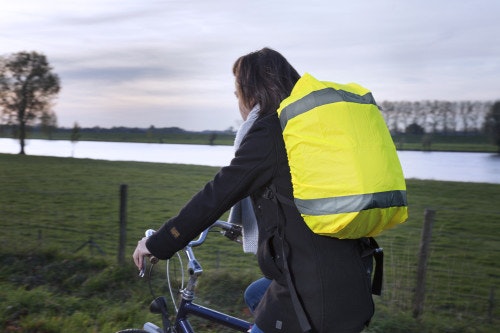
[{"x": 346, "y": 175}]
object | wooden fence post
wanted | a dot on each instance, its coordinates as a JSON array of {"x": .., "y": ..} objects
[
  {"x": 491, "y": 304},
  {"x": 123, "y": 223},
  {"x": 425, "y": 242}
]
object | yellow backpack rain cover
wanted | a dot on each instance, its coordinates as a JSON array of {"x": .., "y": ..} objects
[{"x": 346, "y": 175}]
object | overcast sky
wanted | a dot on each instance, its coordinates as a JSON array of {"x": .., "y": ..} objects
[{"x": 139, "y": 63}]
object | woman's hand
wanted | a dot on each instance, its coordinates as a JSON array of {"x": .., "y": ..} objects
[{"x": 140, "y": 252}]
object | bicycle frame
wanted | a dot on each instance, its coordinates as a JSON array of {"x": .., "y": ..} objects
[{"x": 187, "y": 307}]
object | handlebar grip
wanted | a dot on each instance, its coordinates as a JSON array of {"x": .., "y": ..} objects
[
  {"x": 153, "y": 260},
  {"x": 233, "y": 233}
]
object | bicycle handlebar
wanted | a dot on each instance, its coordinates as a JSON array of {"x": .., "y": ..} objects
[{"x": 230, "y": 230}]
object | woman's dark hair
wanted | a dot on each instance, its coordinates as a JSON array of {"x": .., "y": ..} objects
[{"x": 264, "y": 77}]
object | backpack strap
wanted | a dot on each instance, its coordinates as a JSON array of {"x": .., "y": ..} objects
[
  {"x": 273, "y": 195},
  {"x": 378, "y": 255},
  {"x": 373, "y": 249}
]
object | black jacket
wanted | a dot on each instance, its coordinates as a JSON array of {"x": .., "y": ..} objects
[{"x": 331, "y": 278}]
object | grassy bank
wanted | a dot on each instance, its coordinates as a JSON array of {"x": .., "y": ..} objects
[
  {"x": 428, "y": 142},
  {"x": 52, "y": 210},
  {"x": 441, "y": 142},
  {"x": 198, "y": 138}
]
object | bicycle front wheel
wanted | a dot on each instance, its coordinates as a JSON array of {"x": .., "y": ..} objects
[{"x": 132, "y": 330}]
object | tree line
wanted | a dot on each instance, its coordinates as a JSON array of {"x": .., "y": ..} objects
[
  {"x": 444, "y": 117},
  {"x": 28, "y": 87}
]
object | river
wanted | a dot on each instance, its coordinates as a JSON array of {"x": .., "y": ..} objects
[{"x": 447, "y": 166}]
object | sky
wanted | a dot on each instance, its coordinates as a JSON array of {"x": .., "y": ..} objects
[{"x": 166, "y": 63}]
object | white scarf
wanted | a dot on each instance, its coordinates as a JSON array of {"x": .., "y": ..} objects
[{"x": 242, "y": 212}]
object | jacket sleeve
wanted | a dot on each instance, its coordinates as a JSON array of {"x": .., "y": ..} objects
[{"x": 253, "y": 166}]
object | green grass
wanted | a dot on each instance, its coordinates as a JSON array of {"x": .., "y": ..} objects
[
  {"x": 441, "y": 142},
  {"x": 50, "y": 207},
  {"x": 200, "y": 138}
]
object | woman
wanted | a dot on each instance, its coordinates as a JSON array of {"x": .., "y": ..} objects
[{"x": 329, "y": 276}]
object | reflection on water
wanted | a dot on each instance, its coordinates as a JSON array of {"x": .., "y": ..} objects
[
  {"x": 125, "y": 151},
  {"x": 466, "y": 167}
]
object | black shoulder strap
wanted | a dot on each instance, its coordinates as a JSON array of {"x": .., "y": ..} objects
[
  {"x": 371, "y": 248},
  {"x": 378, "y": 255},
  {"x": 374, "y": 249},
  {"x": 272, "y": 194}
]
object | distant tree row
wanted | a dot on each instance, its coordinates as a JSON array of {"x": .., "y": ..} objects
[
  {"x": 467, "y": 117},
  {"x": 28, "y": 87},
  {"x": 492, "y": 125}
]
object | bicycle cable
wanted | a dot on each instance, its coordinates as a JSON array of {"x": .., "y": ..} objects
[
  {"x": 150, "y": 278},
  {"x": 172, "y": 298}
]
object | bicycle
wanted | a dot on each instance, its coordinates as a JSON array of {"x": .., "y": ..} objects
[{"x": 186, "y": 306}]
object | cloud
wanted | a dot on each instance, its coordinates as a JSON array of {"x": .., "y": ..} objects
[{"x": 124, "y": 63}]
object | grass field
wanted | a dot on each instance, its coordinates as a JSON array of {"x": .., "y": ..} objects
[{"x": 52, "y": 207}]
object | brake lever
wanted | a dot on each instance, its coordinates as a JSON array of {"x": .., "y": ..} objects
[{"x": 234, "y": 233}]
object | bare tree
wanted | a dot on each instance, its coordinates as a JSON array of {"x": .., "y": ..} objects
[
  {"x": 405, "y": 118},
  {"x": 75, "y": 136},
  {"x": 492, "y": 124},
  {"x": 389, "y": 114},
  {"x": 48, "y": 123},
  {"x": 27, "y": 89},
  {"x": 448, "y": 116},
  {"x": 428, "y": 113}
]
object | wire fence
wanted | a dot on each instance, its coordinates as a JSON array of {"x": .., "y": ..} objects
[{"x": 462, "y": 272}]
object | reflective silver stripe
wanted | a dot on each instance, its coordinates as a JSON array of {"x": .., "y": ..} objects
[
  {"x": 321, "y": 97},
  {"x": 351, "y": 203}
]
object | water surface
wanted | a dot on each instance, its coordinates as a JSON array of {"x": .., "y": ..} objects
[{"x": 447, "y": 166}]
